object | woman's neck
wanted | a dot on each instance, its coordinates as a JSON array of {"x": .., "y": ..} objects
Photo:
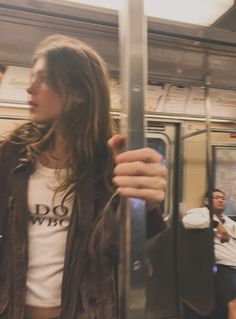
[{"x": 56, "y": 156}]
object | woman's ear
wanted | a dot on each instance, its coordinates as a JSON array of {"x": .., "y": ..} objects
[{"x": 79, "y": 99}]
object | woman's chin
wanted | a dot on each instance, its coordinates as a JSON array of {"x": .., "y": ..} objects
[
  {"x": 41, "y": 121},
  {"x": 35, "y": 119}
]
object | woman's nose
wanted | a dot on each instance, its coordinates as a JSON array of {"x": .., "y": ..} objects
[
  {"x": 28, "y": 89},
  {"x": 31, "y": 88}
]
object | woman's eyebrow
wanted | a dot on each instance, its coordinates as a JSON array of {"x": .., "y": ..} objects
[{"x": 34, "y": 73}]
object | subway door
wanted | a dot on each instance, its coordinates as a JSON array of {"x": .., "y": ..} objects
[{"x": 162, "y": 301}]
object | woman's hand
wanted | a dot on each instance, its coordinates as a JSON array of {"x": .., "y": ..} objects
[{"x": 138, "y": 173}]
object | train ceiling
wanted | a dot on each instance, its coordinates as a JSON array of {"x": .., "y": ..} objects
[
  {"x": 176, "y": 51},
  {"x": 201, "y": 12},
  {"x": 228, "y": 20}
]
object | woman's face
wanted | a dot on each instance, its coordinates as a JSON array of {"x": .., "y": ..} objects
[{"x": 44, "y": 102}]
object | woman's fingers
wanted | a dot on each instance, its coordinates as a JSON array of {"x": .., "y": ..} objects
[{"x": 139, "y": 173}]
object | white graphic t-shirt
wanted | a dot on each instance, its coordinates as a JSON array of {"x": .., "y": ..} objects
[{"x": 47, "y": 230}]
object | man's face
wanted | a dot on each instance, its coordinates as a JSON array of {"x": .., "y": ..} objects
[{"x": 218, "y": 202}]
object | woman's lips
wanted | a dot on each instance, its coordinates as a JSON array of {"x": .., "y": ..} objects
[{"x": 32, "y": 104}]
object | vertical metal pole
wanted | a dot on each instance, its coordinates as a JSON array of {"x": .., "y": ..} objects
[
  {"x": 208, "y": 135},
  {"x": 133, "y": 46},
  {"x": 209, "y": 159},
  {"x": 209, "y": 183}
]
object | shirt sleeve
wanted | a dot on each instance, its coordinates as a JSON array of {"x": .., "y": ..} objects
[
  {"x": 196, "y": 218},
  {"x": 231, "y": 225}
]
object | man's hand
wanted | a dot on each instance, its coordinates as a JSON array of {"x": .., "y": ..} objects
[{"x": 222, "y": 233}]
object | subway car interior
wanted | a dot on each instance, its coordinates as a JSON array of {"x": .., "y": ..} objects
[{"x": 189, "y": 115}]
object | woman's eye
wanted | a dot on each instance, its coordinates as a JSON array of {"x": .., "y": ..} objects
[
  {"x": 39, "y": 78},
  {"x": 42, "y": 78}
]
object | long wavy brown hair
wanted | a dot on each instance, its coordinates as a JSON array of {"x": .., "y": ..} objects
[{"x": 78, "y": 74}]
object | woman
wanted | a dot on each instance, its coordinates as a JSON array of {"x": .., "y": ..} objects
[{"x": 59, "y": 222}]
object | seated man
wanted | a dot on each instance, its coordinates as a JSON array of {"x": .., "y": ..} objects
[{"x": 224, "y": 245}]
